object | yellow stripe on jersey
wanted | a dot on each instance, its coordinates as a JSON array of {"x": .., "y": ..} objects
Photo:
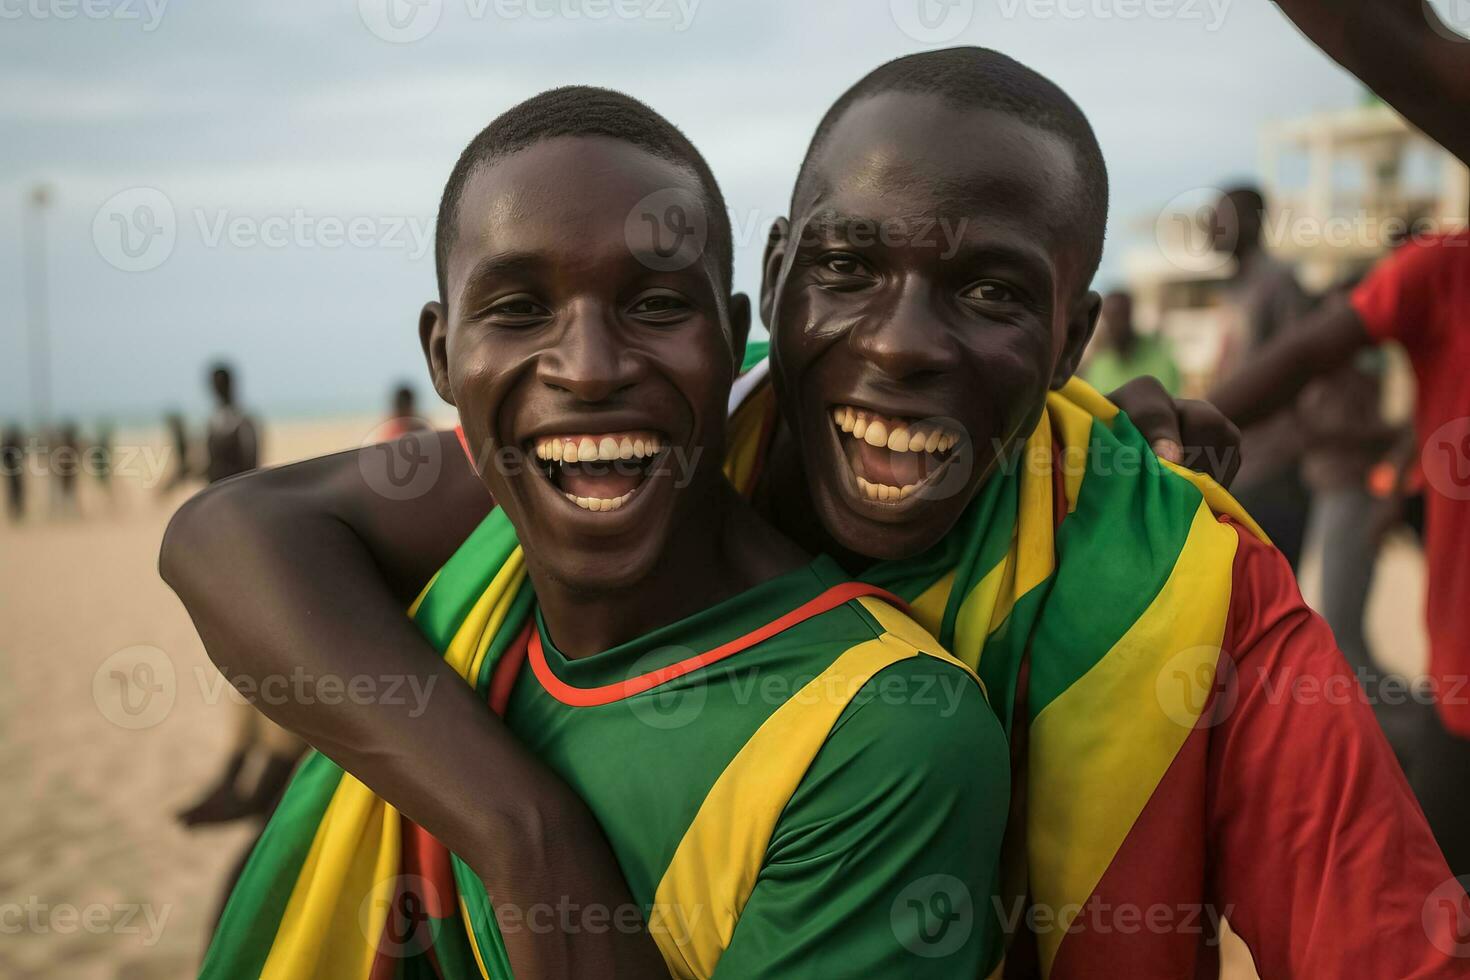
[{"x": 707, "y": 883}]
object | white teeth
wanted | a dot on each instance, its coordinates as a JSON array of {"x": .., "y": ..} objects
[
  {"x": 883, "y": 493},
  {"x": 586, "y": 449},
  {"x": 901, "y": 438},
  {"x": 599, "y": 504}
]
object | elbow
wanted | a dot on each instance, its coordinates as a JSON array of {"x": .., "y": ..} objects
[{"x": 196, "y": 536}]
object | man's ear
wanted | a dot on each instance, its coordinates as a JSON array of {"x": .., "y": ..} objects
[
  {"x": 434, "y": 338},
  {"x": 775, "y": 257},
  {"x": 1081, "y": 322},
  {"x": 739, "y": 326}
]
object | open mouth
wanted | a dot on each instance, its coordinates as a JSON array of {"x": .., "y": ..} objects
[
  {"x": 891, "y": 457},
  {"x": 599, "y": 471}
]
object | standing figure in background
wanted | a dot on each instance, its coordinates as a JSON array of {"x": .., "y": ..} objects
[
  {"x": 101, "y": 459},
  {"x": 1120, "y": 353},
  {"x": 12, "y": 463},
  {"x": 1262, "y": 299},
  {"x": 64, "y": 456},
  {"x": 232, "y": 441},
  {"x": 403, "y": 416},
  {"x": 178, "y": 437},
  {"x": 263, "y": 755},
  {"x": 1346, "y": 437}
]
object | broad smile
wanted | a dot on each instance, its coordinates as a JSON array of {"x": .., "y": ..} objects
[
  {"x": 892, "y": 459},
  {"x": 601, "y": 471}
]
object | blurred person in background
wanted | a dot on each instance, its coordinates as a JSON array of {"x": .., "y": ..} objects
[
  {"x": 64, "y": 458},
  {"x": 260, "y": 763},
  {"x": 1262, "y": 299},
  {"x": 178, "y": 441},
  {"x": 403, "y": 416},
  {"x": 231, "y": 438},
  {"x": 1120, "y": 353},
  {"x": 12, "y": 464},
  {"x": 101, "y": 459},
  {"x": 1346, "y": 436},
  {"x": 1419, "y": 297}
]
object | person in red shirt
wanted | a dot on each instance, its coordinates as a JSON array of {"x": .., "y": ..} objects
[{"x": 1420, "y": 298}]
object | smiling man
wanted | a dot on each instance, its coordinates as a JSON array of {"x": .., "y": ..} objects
[
  {"x": 1132, "y": 629},
  {"x": 582, "y": 368}
]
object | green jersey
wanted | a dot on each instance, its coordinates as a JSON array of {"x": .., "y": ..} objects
[{"x": 826, "y": 802}]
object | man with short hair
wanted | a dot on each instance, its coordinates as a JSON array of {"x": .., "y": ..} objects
[{"x": 1130, "y": 625}]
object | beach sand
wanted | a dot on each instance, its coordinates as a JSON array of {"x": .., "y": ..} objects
[{"x": 97, "y": 880}]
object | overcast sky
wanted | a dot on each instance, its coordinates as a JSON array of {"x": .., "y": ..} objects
[{"x": 258, "y": 180}]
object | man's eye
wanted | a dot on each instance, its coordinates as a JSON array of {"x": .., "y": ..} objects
[
  {"x": 842, "y": 264},
  {"x": 992, "y": 291},
  {"x": 516, "y": 308},
  {"x": 660, "y": 306}
]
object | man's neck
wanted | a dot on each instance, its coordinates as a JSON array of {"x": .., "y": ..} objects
[{"x": 723, "y": 549}]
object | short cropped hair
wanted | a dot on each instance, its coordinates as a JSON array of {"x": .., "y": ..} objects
[
  {"x": 979, "y": 78},
  {"x": 580, "y": 110}
]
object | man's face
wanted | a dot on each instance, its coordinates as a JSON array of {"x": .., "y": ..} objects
[
  {"x": 590, "y": 384},
  {"x": 927, "y": 294}
]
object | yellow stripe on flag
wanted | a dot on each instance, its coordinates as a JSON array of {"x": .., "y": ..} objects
[
  {"x": 467, "y": 647},
  {"x": 929, "y": 607},
  {"x": 339, "y": 904},
  {"x": 1102, "y": 746}
]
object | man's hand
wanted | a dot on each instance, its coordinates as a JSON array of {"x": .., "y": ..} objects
[{"x": 1184, "y": 431}]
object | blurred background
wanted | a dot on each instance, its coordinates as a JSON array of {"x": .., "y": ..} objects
[{"x": 194, "y": 188}]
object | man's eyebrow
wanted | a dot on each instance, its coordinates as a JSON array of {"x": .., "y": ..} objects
[
  {"x": 951, "y": 234},
  {"x": 502, "y": 264}
]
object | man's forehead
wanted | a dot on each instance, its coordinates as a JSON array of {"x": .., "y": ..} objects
[
  {"x": 588, "y": 181},
  {"x": 907, "y": 155}
]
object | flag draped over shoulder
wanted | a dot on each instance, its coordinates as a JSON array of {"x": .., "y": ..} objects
[{"x": 1086, "y": 576}]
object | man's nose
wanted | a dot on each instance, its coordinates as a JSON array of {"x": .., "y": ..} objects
[
  {"x": 910, "y": 339},
  {"x": 590, "y": 360}
]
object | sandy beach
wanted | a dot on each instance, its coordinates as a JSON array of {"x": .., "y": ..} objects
[{"x": 97, "y": 880}]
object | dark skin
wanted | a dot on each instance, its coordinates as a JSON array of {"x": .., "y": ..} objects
[
  {"x": 1117, "y": 322},
  {"x": 898, "y": 326},
  {"x": 335, "y": 563}
]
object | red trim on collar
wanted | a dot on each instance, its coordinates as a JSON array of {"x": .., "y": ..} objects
[{"x": 579, "y": 697}]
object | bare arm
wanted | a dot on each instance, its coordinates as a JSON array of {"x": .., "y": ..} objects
[
  {"x": 308, "y": 569},
  {"x": 1273, "y": 378},
  {"x": 1403, "y": 52}
]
